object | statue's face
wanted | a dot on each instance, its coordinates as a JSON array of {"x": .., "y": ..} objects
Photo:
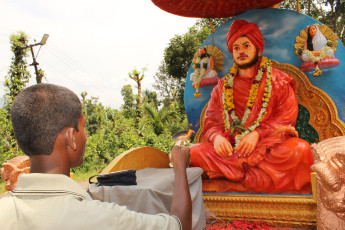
[
  {"x": 201, "y": 51},
  {"x": 312, "y": 31},
  {"x": 244, "y": 53}
]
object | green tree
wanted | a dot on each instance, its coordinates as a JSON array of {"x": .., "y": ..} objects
[
  {"x": 180, "y": 51},
  {"x": 150, "y": 97},
  {"x": 328, "y": 12},
  {"x": 205, "y": 22},
  {"x": 128, "y": 98},
  {"x": 8, "y": 145},
  {"x": 138, "y": 77},
  {"x": 168, "y": 87},
  {"x": 177, "y": 59},
  {"x": 18, "y": 76},
  {"x": 159, "y": 118},
  {"x": 94, "y": 114}
]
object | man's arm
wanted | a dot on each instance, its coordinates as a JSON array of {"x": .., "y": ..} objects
[{"x": 181, "y": 205}]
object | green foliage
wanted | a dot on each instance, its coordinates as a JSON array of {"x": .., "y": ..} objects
[
  {"x": 2, "y": 187},
  {"x": 181, "y": 49},
  {"x": 328, "y": 12},
  {"x": 94, "y": 114},
  {"x": 15, "y": 81},
  {"x": 8, "y": 146},
  {"x": 138, "y": 77},
  {"x": 150, "y": 97},
  {"x": 159, "y": 118},
  {"x": 128, "y": 98},
  {"x": 115, "y": 133},
  {"x": 18, "y": 76},
  {"x": 216, "y": 22},
  {"x": 168, "y": 87}
]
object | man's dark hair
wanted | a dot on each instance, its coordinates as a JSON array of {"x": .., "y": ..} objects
[{"x": 38, "y": 115}]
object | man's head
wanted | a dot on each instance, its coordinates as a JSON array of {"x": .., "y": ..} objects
[
  {"x": 40, "y": 112},
  {"x": 245, "y": 42}
]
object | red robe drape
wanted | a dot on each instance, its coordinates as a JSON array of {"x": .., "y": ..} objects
[{"x": 279, "y": 163}]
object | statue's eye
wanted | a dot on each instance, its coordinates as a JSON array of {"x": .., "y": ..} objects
[
  {"x": 236, "y": 48},
  {"x": 247, "y": 45}
]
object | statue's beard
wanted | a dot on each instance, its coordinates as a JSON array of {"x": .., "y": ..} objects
[{"x": 250, "y": 63}]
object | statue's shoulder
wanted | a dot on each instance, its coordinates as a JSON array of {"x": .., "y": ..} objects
[{"x": 281, "y": 78}]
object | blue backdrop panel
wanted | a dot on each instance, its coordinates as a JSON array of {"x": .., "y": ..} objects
[{"x": 279, "y": 28}]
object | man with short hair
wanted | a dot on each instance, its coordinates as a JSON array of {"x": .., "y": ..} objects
[
  {"x": 48, "y": 124},
  {"x": 250, "y": 143}
]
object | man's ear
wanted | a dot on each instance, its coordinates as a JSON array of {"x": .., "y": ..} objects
[{"x": 70, "y": 138}]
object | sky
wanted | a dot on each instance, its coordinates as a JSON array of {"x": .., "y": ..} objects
[{"x": 92, "y": 45}]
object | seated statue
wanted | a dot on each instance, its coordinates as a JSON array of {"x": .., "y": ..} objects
[
  {"x": 249, "y": 136},
  {"x": 316, "y": 48},
  {"x": 203, "y": 69},
  {"x": 204, "y": 66}
]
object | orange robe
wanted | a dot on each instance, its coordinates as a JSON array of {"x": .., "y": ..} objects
[{"x": 279, "y": 163}]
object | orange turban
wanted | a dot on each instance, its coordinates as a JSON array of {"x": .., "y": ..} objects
[{"x": 250, "y": 30}]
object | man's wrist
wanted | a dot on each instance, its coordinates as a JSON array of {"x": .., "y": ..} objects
[{"x": 179, "y": 168}]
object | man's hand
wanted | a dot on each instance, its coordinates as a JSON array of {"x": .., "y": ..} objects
[
  {"x": 222, "y": 146},
  {"x": 181, "y": 205},
  {"x": 248, "y": 144},
  {"x": 180, "y": 156}
]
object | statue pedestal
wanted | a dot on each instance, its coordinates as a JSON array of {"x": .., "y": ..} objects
[
  {"x": 283, "y": 210},
  {"x": 276, "y": 210}
]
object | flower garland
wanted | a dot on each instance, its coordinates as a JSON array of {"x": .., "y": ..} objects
[
  {"x": 235, "y": 130},
  {"x": 322, "y": 55},
  {"x": 198, "y": 74}
]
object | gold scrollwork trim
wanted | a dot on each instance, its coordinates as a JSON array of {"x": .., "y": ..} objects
[
  {"x": 198, "y": 136},
  {"x": 288, "y": 211},
  {"x": 323, "y": 112}
]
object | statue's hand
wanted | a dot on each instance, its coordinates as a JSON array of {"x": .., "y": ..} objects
[
  {"x": 316, "y": 53},
  {"x": 289, "y": 130},
  {"x": 248, "y": 144},
  {"x": 222, "y": 146}
]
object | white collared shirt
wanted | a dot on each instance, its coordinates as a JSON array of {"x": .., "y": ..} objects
[{"x": 54, "y": 201}]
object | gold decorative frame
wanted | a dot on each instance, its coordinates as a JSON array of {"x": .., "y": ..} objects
[
  {"x": 216, "y": 54},
  {"x": 275, "y": 210},
  {"x": 323, "y": 112}
]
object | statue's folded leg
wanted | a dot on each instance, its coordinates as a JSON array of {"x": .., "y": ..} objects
[
  {"x": 204, "y": 156},
  {"x": 285, "y": 168}
]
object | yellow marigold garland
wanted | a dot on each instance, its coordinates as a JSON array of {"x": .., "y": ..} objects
[{"x": 228, "y": 101}]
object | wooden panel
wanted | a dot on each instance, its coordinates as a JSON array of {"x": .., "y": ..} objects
[{"x": 139, "y": 158}]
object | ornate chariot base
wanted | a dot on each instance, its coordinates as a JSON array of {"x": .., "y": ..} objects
[
  {"x": 283, "y": 210},
  {"x": 276, "y": 210}
]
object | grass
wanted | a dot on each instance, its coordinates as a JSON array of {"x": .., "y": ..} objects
[{"x": 80, "y": 176}]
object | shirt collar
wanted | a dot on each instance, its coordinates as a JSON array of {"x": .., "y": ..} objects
[{"x": 48, "y": 183}]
